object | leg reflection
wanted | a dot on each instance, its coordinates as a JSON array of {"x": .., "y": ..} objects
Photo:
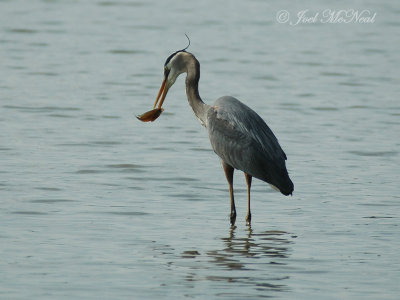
[
  {"x": 249, "y": 264},
  {"x": 239, "y": 252},
  {"x": 257, "y": 262}
]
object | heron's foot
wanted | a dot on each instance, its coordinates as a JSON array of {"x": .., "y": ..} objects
[
  {"x": 233, "y": 218},
  {"x": 248, "y": 219}
]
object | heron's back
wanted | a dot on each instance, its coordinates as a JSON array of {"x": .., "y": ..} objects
[{"x": 243, "y": 140}]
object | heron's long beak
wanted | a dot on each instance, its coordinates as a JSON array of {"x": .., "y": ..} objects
[
  {"x": 161, "y": 94},
  {"x": 153, "y": 114}
]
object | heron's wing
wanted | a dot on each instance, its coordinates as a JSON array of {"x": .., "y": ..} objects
[
  {"x": 242, "y": 139},
  {"x": 230, "y": 112},
  {"x": 229, "y": 143}
]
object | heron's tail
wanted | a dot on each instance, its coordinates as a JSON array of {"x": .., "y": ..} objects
[
  {"x": 288, "y": 188},
  {"x": 282, "y": 182}
]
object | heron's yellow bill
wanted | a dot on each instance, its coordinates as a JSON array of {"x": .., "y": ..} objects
[{"x": 153, "y": 114}]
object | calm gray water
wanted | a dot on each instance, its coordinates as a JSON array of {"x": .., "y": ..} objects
[{"x": 97, "y": 205}]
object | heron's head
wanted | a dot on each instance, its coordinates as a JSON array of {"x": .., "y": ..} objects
[
  {"x": 173, "y": 67},
  {"x": 176, "y": 64}
]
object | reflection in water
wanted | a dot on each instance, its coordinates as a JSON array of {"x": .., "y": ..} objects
[
  {"x": 269, "y": 243},
  {"x": 255, "y": 260}
]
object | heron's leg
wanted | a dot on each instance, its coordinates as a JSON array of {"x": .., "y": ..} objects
[
  {"x": 248, "y": 181},
  {"x": 229, "y": 176}
]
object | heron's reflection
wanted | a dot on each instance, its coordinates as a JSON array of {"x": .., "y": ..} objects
[
  {"x": 269, "y": 246},
  {"x": 260, "y": 258}
]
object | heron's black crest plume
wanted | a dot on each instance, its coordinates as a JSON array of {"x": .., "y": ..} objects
[
  {"x": 173, "y": 54},
  {"x": 188, "y": 44}
]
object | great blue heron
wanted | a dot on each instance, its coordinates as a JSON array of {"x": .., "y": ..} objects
[{"x": 238, "y": 135}]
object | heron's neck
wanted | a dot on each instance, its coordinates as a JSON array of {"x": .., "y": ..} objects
[{"x": 192, "y": 91}]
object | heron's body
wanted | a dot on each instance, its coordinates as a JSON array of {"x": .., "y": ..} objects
[
  {"x": 244, "y": 141},
  {"x": 238, "y": 135}
]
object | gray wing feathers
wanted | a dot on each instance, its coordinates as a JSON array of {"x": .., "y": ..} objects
[
  {"x": 243, "y": 140},
  {"x": 231, "y": 114}
]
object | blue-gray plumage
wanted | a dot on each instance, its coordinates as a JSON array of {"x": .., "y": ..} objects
[
  {"x": 244, "y": 141},
  {"x": 238, "y": 135}
]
